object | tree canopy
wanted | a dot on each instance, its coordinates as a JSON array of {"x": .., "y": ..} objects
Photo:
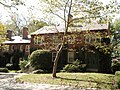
[
  {"x": 2, "y": 33},
  {"x": 83, "y": 10}
]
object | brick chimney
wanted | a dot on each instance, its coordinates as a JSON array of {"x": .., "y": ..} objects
[
  {"x": 25, "y": 33},
  {"x": 9, "y": 34}
]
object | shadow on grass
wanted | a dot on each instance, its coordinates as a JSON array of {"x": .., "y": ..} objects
[{"x": 93, "y": 81}]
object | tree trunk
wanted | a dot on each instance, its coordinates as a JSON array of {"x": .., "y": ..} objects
[
  {"x": 65, "y": 33},
  {"x": 56, "y": 61}
]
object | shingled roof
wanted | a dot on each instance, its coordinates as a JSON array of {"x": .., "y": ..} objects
[
  {"x": 56, "y": 29},
  {"x": 17, "y": 40}
]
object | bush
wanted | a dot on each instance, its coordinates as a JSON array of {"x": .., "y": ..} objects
[
  {"x": 74, "y": 67},
  {"x": 4, "y": 59},
  {"x": 117, "y": 78},
  {"x": 9, "y": 66},
  {"x": 4, "y": 70},
  {"x": 41, "y": 59},
  {"x": 115, "y": 66},
  {"x": 22, "y": 65},
  {"x": 16, "y": 58}
]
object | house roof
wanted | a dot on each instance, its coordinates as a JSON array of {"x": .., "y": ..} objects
[
  {"x": 56, "y": 29},
  {"x": 17, "y": 40}
]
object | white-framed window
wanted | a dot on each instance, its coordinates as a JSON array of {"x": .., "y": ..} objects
[
  {"x": 53, "y": 56},
  {"x": 36, "y": 40},
  {"x": 98, "y": 40},
  {"x": 90, "y": 39},
  {"x": 71, "y": 56},
  {"x": 55, "y": 39},
  {"x": 21, "y": 47},
  {"x": 27, "y": 48},
  {"x": 12, "y": 47},
  {"x": 39, "y": 40}
]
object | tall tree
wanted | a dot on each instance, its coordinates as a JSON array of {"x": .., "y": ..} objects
[
  {"x": 86, "y": 11},
  {"x": 35, "y": 25},
  {"x": 2, "y": 34},
  {"x": 116, "y": 37}
]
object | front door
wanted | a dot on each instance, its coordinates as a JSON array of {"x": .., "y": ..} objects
[{"x": 92, "y": 61}]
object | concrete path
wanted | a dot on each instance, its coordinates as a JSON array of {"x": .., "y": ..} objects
[{"x": 8, "y": 82}]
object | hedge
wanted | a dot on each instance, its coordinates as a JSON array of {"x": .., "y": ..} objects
[{"x": 41, "y": 59}]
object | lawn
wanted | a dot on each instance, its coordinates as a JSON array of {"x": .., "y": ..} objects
[{"x": 78, "y": 80}]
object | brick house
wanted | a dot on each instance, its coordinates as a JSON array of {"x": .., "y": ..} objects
[
  {"x": 18, "y": 43},
  {"x": 78, "y": 40},
  {"x": 80, "y": 43}
]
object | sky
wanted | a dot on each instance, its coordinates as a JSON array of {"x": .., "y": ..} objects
[{"x": 22, "y": 10}]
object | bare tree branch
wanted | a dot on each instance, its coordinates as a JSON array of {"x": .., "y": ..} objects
[
  {"x": 8, "y": 6},
  {"x": 65, "y": 13},
  {"x": 57, "y": 15}
]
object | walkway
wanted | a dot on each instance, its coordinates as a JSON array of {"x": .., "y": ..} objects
[{"x": 8, "y": 82}]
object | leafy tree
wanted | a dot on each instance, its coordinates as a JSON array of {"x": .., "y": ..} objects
[
  {"x": 116, "y": 37},
  {"x": 86, "y": 11},
  {"x": 36, "y": 24},
  {"x": 2, "y": 34}
]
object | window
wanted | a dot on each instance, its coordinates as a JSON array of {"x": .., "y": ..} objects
[
  {"x": 55, "y": 39},
  {"x": 90, "y": 39},
  {"x": 27, "y": 48},
  {"x": 70, "y": 57},
  {"x": 98, "y": 40},
  {"x": 53, "y": 56},
  {"x": 105, "y": 40},
  {"x": 21, "y": 47},
  {"x": 35, "y": 40},
  {"x": 12, "y": 48},
  {"x": 39, "y": 40}
]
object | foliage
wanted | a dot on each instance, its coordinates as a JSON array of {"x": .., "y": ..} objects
[
  {"x": 41, "y": 59},
  {"x": 35, "y": 25},
  {"x": 85, "y": 11},
  {"x": 78, "y": 80},
  {"x": 105, "y": 49},
  {"x": 115, "y": 66},
  {"x": 22, "y": 65},
  {"x": 4, "y": 59},
  {"x": 76, "y": 66},
  {"x": 117, "y": 78},
  {"x": 16, "y": 58},
  {"x": 116, "y": 25},
  {"x": 116, "y": 37},
  {"x": 32, "y": 49},
  {"x": 2, "y": 34},
  {"x": 4, "y": 70}
]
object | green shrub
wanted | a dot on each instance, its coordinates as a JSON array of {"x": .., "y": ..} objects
[
  {"x": 16, "y": 58},
  {"x": 4, "y": 70},
  {"x": 9, "y": 66},
  {"x": 117, "y": 78},
  {"x": 41, "y": 59},
  {"x": 74, "y": 67},
  {"x": 22, "y": 65},
  {"x": 115, "y": 66},
  {"x": 4, "y": 59}
]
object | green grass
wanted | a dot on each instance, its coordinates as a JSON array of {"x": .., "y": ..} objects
[{"x": 78, "y": 80}]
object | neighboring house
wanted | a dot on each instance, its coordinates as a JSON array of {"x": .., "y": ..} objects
[
  {"x": 80, "y": 41},
  {"x": 18, "y": 43}
]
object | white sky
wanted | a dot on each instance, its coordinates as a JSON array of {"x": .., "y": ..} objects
[{"x": 23, "y": 10}]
